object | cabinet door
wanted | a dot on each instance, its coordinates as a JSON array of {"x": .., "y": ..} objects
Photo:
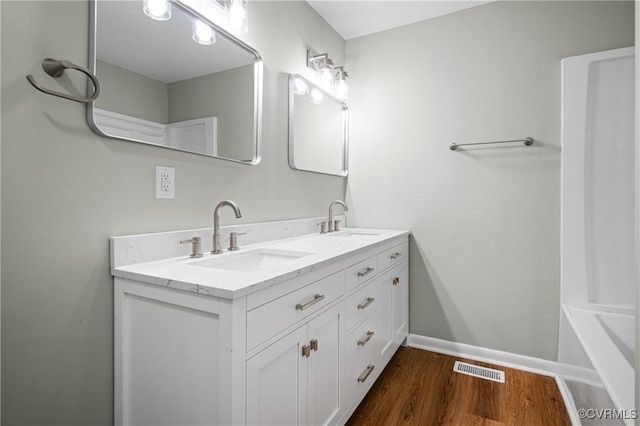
[
  {"x": 400, "y": 303},
  {"x": 277, "y": 382},
  {"x": 385, "y": 335},
  {"x": 326, "y": 340}
]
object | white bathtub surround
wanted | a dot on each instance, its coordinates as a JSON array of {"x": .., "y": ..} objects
[
  {"x": 596, "y": 332},
  {"x": 285, "y": 331},
  {"x": 597, "y": 320}
]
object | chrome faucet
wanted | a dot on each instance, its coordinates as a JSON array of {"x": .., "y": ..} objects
[
  {"x": 331, "y": 226},
  {"x": 217, "y": 249}
]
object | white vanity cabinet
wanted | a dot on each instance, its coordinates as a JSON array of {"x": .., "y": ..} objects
[{"x": 300, "y": 351}]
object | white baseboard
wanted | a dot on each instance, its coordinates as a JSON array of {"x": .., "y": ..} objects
[{"x": 491, "y": 356}]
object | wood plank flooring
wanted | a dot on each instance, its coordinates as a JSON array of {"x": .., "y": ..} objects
[{"x": 420, "y": 388}]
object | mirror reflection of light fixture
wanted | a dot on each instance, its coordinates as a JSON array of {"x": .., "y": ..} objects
[
  {"x": 237, "y": 11},
  {"x": 160, "y": 10},
  {"x": 341, "y": 88},
  {"x": 300, "y": 87},
  {"x": 316, "y": 96},
  {"x": 203, "y": 33}
]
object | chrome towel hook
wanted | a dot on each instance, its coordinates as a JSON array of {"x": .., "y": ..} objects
[{"x": 55, "y": 68}]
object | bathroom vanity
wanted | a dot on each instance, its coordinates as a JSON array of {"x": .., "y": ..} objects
[{"x": 293, "y": 328}]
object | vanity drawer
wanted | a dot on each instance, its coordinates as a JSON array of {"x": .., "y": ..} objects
[
  {"x": 393, "y": 255},
  {"x": 360, "y": 344},
  {"x": 271, "y": 318},
  {"x": 360, "y": 272},
  {"x": 359, "y": 380},
  {"x": 361, "y": 303}
]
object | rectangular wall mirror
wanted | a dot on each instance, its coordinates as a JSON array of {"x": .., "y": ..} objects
[
  {"x": 318, "y": 129},
  {"x": 164, "y": 85}
]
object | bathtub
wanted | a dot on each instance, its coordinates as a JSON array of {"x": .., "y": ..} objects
[
  {"x": 597, "y": 320},
  {"x": 596, "y": 363}
]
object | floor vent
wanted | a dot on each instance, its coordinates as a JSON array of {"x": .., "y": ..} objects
[{"x": 481, "y": 372}]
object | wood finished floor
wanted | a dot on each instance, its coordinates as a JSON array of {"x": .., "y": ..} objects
[{"x": 420, "y": 388}]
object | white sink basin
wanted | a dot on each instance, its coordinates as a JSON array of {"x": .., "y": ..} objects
[
  {"x": 353, "y": 233},
  {"x": 251, "y": 261}
]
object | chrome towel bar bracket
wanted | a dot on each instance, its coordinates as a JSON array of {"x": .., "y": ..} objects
[
  {"x": 527, "y": 141},
  {"x": 56, "y": 68}
]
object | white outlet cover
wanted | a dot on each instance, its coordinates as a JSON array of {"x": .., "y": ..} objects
[{"x": 165, "y": 182}]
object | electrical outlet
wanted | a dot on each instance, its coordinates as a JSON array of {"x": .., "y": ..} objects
[{"x": 165, "y": 182}]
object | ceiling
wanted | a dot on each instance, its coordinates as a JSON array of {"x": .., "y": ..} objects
[{"x": 356, "y": 18}]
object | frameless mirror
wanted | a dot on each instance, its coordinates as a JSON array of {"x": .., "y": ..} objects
[
  {"x": 162, "y": 84},
  {"x": 318, "y": 129}
]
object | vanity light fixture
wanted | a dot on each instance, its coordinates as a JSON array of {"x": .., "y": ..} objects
[
  {"x": 160, "y": 10},
  {"x": 323, "y": 66},
  {"x": 203, "y": 33},
  {"x": 341, "y": 88},
  {"x": 335, "y": 83}
]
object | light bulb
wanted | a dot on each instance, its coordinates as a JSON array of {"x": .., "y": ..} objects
[
  {"x": 160, "y": 10},
  {"x": 203, "y": 33},
  {"x": 316, "y": 96},
  {"x": 300, "y": 87},
  {"x": 326, "y": 79},
  {"x": 237, "y": 16},
  {"x": 342, "y": 90}
]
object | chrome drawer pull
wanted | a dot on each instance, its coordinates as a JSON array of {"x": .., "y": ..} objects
[
  {"x": 313, "y": 345},
  {"x": 395, "y": 255},
  {"x": 367, "y": 303},
  {"x": 396, "y": 280},
  {"x": 366, "y": 271},
  {"x": 364, "y": 375},
  {"x": 364, "y": 341},
  {"x": 318, "y": 297},
  {"x": 306, "y": 351}
]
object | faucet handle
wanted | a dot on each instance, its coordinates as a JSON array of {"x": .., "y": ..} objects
[
  {"x": 323, "y": 227},
  {"x": 233, "y": 241},
  {"x": 196, "y": 246}
]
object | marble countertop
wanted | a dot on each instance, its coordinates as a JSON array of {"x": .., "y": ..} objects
[{"x": 183, "y": 273}]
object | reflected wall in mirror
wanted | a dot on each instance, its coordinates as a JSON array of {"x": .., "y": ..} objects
[
  {"x": 160, "y": 86},
  {"x": 318, "y": 129}
]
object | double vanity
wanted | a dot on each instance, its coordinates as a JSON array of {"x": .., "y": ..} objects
[
  {"x": 292, "y": 328},
  {"x": 280, "y": 323}
]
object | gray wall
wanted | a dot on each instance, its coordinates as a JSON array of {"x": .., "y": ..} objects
[
  {"x": 129, "y": 93},
  {"x": 485, "y": 251},
  {"x": 65, "y": 190}
]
